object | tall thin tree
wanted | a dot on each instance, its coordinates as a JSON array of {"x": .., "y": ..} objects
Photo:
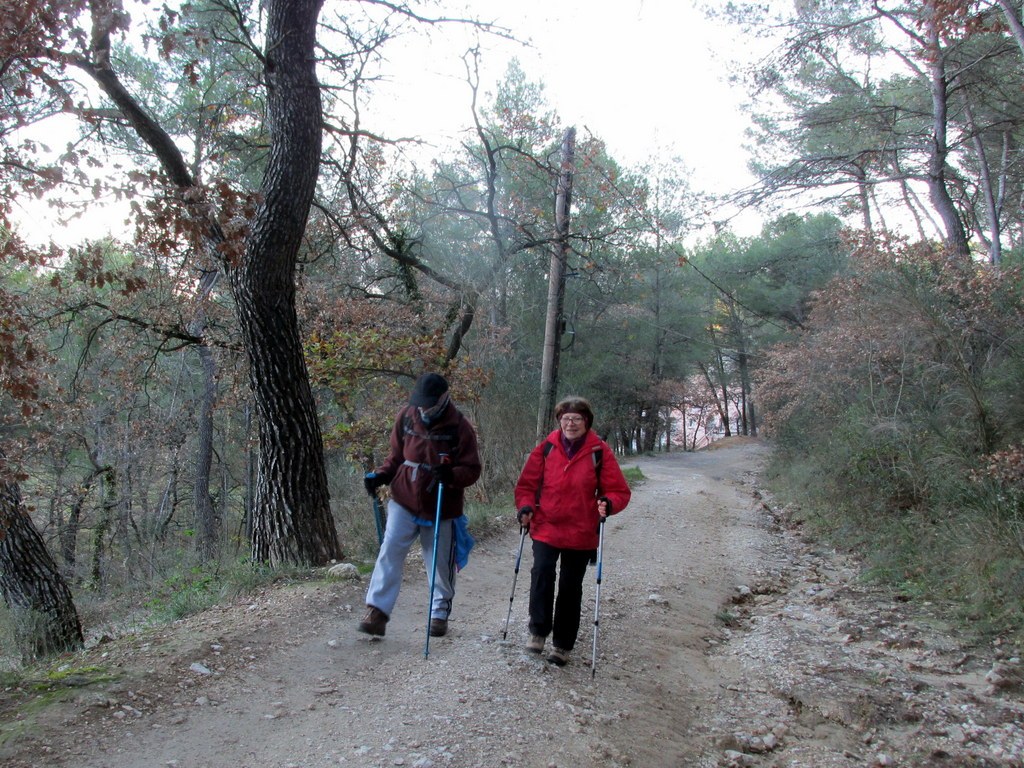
[{"x": 556, "y": 286}]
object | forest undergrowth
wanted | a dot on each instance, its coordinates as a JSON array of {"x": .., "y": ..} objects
[{"x": 963, "y": 558}]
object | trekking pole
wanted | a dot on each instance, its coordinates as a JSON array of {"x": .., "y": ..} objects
[
  {"x": 597, "y": 601},
  {"x": 378, "y": 518},
  {"x": 515, "y": 575},
  {"x": 433, "y": 565}
]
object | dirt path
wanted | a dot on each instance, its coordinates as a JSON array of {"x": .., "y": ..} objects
[{"x": 284, "y": 679}]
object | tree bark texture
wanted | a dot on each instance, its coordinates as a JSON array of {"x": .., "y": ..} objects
[
  {"x": 1012, "y": 14},
  {"x": 46, "y": 621},
  {"x": 292, "y": 521}
]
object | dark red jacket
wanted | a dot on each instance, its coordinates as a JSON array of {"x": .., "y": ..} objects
[
  {"x": 411, "y": 440},
  {"x": 565, "y": 510}
]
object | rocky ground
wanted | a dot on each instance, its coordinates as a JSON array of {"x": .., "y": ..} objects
[{"x": 726, "y": 638}]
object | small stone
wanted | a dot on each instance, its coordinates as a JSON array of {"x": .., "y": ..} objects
[
  {"x": 742, "y": 593},
  {"x": 344, "y": 571}
]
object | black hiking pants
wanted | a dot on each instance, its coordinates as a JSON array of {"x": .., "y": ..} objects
[{"x": 559, "y": 617}]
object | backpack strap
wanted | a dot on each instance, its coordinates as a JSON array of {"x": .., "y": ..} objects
[
  {"x": 548, "y": 446},
  {"x": 447, "y": 441}
]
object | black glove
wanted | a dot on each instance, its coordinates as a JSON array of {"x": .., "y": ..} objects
[
  {"x": 442, "y": 473},
  {"x": 608, "y": 503},
  {"x": 523, "y": 512},
  {"x": 372, "y": 481}
]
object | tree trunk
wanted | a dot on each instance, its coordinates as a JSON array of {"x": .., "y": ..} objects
[
  {"x": 108, "y": 502},
  {"x": 719, "y": 381},
  {"x": 865, "y": 200},
  {"x": 993, "y": 200},
  {"x": 556, "y": 288},
  {"x": 292, "y": 520},
  {"x": 168, "y": 505},
  {"x": 668, "y": 429},
  {"x": 207, "y": 524},
  {"x": 650, "y": 427},
  {"x": 45, "y": 618},
  {"x": 1012, "y": 14},
  {"x": 70, "y": 529},
  {"x": 956, "y": 237},
  {"x": 250, "y": 474},
  {"x": 743, "y": 368},
  {"x": 726, "y": 421}
]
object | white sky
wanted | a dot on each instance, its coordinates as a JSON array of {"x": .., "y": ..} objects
[{"x": 647, "y": 76}]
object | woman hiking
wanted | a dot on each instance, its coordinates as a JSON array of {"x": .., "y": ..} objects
[{"x": 570, "y": 483}]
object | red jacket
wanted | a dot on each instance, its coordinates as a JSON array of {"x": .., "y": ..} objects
[
  {"x": 565, "y": 509},
  {"x": 414, "y": 442}
]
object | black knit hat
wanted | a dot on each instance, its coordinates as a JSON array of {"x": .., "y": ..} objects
[{"x": 428, "y": 390}]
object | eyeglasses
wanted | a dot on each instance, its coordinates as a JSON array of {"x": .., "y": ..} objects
[{"x": 571, "y": 419}]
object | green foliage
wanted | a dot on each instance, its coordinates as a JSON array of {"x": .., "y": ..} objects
[
  {"x": 634, "y": 476},
  {"x": 64, "y": 673},
  {"x": 898, "y": 420},
  {"x": 727, "y": 618},
  {"x": 364, "y": 360},
  {"x": 201, "y": 587},
  {"x": 184, "y": 596},
  {"x": 846, "y": 116},
  {"x": 488, "y": 520}
]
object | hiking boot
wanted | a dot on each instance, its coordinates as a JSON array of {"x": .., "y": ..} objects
[
  {"x": 558, "y": 656},
  {"x": 438, "y": 627},
  {"x": 535, "y": 644},
  {"x": 374, "y": 622}
]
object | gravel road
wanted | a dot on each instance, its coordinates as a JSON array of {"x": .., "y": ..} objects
[{"x": 699, "y": 663}]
